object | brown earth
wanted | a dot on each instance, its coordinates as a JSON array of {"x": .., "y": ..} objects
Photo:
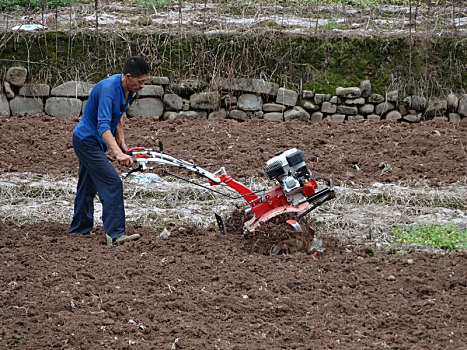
[
  {"x": 200, "y": 290},
  {"x": 434, "y": 151}
]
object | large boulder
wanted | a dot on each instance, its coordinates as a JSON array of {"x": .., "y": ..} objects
[
  {"x": 171, "y": 115},
  {"x": 250, "y": 102},
  {"x": 238, "y": 114},
  {"x": 309, "y": 106},
  {"x": 320, "y": 98},
  {"x": 328, "y": 107},
  {"x": 273, "y": 107},
  {"x": 350, "y": 92},
  {"x": 173, "y": 102},
  {"x": 452, "y": 103},
  {"x": 355, "y": 101},
  {"x": 316, "y": 117},
  {"x": 34, "y": 90},
  {"x": 63, "y": 106},
  {"x": 274, "y": 116},
  {"x": 365, "y": 88},
  {"x": 454, "y": 117},
  {"x": 8, "y": 90},
  {"x": 4, "y": 105},
  {"x": 308, "y": 94},
  {"x": 418, "y": 103},
  {"x": 412, "y": 118},
  {"x": 392, "y": 96},
  {"x": 255, "y": 86},
  {"x": 297, "y": 113},
  {"x": 375, "y": 98},
  {"x": 436, "y": 108},
  {"x": 22, "y": 105},
  {"x": 336, "y": 118},
  {"x": 393, "y": 115},
  {"x": 73, "y": 88},
  {"x": 159, "y": 80},
  {"x": 347, "y": 110},
  {"x": 286, "y": 97},
  {"x": 151, "y": 91},
  {"x": 462, "y": 109},
  {"x": 147, "y": 106},
  {"x": 373, "y": 117},
  {"x": 384, "y": 107},
  {"x": 219, "y": 114},
  {"x": 205, "y": 100},
  {"x": 16, "y": 76},
  {"x": 355, "y": 118},
  {"x": 185, "y": 88},
  {"x": 194, "y": 114},
  {"x": 367, "y": 109},
  {"x": 404, "y": 105}
]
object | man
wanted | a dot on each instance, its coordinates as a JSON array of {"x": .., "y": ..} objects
[{"x": 100, "y": 129}]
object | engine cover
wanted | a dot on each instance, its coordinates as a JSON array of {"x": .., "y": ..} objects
[{"x": 290, "y": 170}]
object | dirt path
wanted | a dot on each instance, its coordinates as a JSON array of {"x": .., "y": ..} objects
[{"x": 200, "y": 290}]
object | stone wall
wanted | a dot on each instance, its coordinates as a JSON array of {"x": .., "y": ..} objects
[{"x": 239, "y": 99}]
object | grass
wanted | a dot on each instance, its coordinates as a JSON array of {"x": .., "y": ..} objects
[
  {"x": 446, "y": 237},
  {"x": 36, "y": 4}
]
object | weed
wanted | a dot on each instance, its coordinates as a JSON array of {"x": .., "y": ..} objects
[
  {"x": 35, "y": 4},
  {"x": 362, "y": 3},
  {"x": 243, "y": 3},
  {"x": 155, "y": 4},
  {"x": 331, "y": 24},
  {"x": 447, "y": 237}
]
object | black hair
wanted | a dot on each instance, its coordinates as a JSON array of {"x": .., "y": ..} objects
[{"x": 136, "y": 66}]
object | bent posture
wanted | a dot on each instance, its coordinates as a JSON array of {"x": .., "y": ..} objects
[{"x": 100, "y": 129}]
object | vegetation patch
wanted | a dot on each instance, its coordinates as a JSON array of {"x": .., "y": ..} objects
[
  {"x": 447, "y": 237},
  {"x": 318, "y": 63}
]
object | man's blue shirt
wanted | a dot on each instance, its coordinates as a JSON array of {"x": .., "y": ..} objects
[{"x": 103, "y": 110}]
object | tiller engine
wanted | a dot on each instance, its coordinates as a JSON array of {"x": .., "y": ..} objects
[{"x": 295, "y": 191}]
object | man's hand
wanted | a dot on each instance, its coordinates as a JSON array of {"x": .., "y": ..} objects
[{"x": 124, "y": 159}]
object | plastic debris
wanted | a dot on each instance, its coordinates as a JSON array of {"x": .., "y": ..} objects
[
  {"x": 30, "y": 27},
  {"x": 165, "y": 233},
  {"x": 142, "y": 178}
]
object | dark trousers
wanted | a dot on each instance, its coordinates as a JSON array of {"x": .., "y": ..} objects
[{"x": 97, "y": 175}]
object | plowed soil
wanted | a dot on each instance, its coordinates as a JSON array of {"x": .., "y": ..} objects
[{"x": 198, "y": 289}]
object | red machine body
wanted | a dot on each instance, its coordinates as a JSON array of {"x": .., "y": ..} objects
[
  {"x": 270, "y": 204},
  {"x": 294, "y": 193}
]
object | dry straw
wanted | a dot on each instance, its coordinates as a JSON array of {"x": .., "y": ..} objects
[{"x": 359, "y": 213}]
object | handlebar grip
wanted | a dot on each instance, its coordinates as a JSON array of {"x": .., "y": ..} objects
[{"x": 136, "y": 149}]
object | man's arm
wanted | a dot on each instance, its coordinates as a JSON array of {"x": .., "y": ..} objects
[
  {"x": 120, "y": 138},
  {"x": 123, "y": 158}
]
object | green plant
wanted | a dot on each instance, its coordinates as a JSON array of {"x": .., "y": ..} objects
[
  {"x": 155, "y": 4},
  {"x": 243, "y": 3},
  {"x": 331, "y": 24},
  {"x": 362, "y": 3},
  {"x": 35, "y": 4},
  {"x": 447, "y": 237}
]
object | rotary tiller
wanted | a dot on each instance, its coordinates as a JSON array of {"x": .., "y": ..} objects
[{"x": 295, "y": 191}]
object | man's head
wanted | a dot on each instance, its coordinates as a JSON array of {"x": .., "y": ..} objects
[{"x": 135, "y": 73}]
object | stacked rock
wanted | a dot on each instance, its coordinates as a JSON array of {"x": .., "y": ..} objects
[{"x": 238, "y": 98}]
